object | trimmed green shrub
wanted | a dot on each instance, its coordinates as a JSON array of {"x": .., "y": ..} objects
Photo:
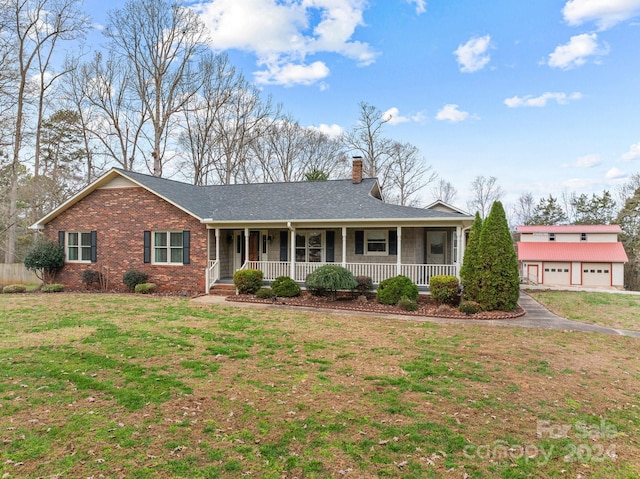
[
  {"x": 330, "y": 278},
  {"x": 52, "y": 288},
  {"x": 471, "y": 270},
  {"x": 390, "y": 290},
  {"x": 145, "y": 288},
  {"x": 91, "y": 277},
  {"x": 285, "y": 287},
  {"x": 248, "y": 281},
  {"x": 500, "y": 278},
  {"x": 407, "y": 304},
  {"x": 365, "y": 284},
  {"x": 132, "y": 278},
  {"x": 14, "y": 288},
  {"x": 265, "y": 293},
  {"x": 470, "y": 307},
  {"x": 45, "y": 259},
  {"x": 445, "y": 289}
]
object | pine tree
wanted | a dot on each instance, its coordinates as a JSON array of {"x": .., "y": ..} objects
[
  {"x": 629, "y": 221},
  {"x": 499, "y": 281},
  {"x": 548, "y": 212},
  {"x": 470, "y": 271}
]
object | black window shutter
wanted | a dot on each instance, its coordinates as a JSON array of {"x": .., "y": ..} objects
[
  {"x": 331, "y": 240},
  {"x": 393, "y": 242},
  {"x": 147, "y": 246},
  {"x": 186, "y": 247},
  {"x": 359, "y": 242},
  {"x": 94, "y": 246},
  {"x": 284, "y": 236},
  {"x": 61, "y": 238}
]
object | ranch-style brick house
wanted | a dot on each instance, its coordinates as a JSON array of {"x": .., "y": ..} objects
[
  {"x": 187, "y": 238},
  {"x": 572, "y": 255}
]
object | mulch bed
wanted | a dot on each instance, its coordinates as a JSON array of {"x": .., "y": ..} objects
[{"x": 426, "y": 307}]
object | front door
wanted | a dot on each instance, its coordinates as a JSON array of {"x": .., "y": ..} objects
[
  {"x": 532, "y": 273},
  {"x": 436, "y": 242},
  {"x": 254, "y": 246}
]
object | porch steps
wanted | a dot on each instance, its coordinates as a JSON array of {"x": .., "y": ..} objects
[{"x": 223, "y": 289}]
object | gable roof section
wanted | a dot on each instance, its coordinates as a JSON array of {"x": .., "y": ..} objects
[
  {"x": 440, "y": 205},
  {"x": 570, "y": 229},
  {"x": 584, "y": 252},
  {"x": 331, "y": 200}
]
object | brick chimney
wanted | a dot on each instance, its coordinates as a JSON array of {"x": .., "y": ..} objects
[{"x": 356, "y": 170}]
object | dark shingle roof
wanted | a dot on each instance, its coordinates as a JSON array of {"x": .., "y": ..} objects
[{"x": 306, "y": 200}]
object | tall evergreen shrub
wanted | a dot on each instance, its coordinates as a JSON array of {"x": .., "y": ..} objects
[
  {"x": 471, "y": 270},
  {"x": 500, "y": 281}
]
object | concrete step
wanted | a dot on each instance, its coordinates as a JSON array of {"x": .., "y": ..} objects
[{"x": 223, "y": 289}]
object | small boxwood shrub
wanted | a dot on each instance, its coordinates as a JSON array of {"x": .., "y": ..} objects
[
  {"x": 407, "y": 304},
  {"x": 265, "y": 293},
  {"x": 91, "y": 277},
  {"x": 285, "y": 287},
  {"x": 329, "y": 279},
  {"x": 145, "y": 288},
  {"x": 365, "y": 284},
  {"x": 470, "y": 307},
  {"x": 390, "y": 290},
  {"x": 248, "y": 281},
  {"x": 445, "y": 289},
  {"x": 52, "y": 288},
  {"x": 14, "y": 288},
  {"x": 132, "y": 277}
]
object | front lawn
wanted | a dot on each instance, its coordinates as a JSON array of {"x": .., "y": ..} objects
[{"x": 131, "y": 386}]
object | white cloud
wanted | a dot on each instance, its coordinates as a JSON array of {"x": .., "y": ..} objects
[
  {"x": 633, "y": 153},
  {"x": 451, "y": 113},
  {"x": 421, "y": 5},
  {"x": 588, "y": 161},
  {"x": 605, "y": 13},
  {"x": 332, "y": 131},
  {"x": 542, "y": 100},
  {"x": 393, "y": 117},
  {"x": 283, "y": 34},
  {"x": 615, "y": 174},
  {"x": 473, "y": 56},
  {"x": 576, "y": 52}
]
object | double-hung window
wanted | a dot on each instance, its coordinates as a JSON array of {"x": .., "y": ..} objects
[
  {"x": 79, "y": 246},
  {"x": 376, "y": 242},
  {"x": 309, "y": 247},
  {"x": 168, "y": 247}
]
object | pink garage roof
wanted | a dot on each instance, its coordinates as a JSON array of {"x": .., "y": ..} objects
[
  {"x": 570, "y": 229},
  {"x": 585, "y": 252}
]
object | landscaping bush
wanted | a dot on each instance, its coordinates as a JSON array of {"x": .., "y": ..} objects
[
  {"x": 445, "y": 289},
  {"x": 265, "y": 293},
  {"x": 45, "y": 259},
  {"x": 52, "y": 288},
  {"x": 391, "y": 290},
  {"x": 470, "y": 307},
  {"x": 285, "y": 287},
  {"x": 145, "y": 288},
  {"x": 248, "y": 281},
  {"x": 365, "y": 284},
  {"x": 407, "y": 304},
  {"x": 330, "y": 278},
  {"x": 91, "y": 277},
  {"x": 14, "y": 288},
  {"x": 132, "y": 278}
]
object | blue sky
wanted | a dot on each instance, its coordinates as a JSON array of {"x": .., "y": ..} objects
[{"x": 544, "y": 94}]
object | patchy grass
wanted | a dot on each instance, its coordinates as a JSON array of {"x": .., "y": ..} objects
[
  {"x": 614, "y": 310},
  {"x": 132, "y": 386}
]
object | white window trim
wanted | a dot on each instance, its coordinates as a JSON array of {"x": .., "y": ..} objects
[
  {"x": 79, "y": 246},
  {"x": 168, "y": 248},
  {"x": 323, "y": 245},
  {"x": 385, "y": 233}
]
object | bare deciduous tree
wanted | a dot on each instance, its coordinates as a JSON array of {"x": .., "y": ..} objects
[
  {"x": 408, "y": 173},
  {"x": 484, "y": 192},
  {"x": 444, "y": 191},
  {"x": 524, "y": 209}
]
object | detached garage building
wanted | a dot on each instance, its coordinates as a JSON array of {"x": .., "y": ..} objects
[{"x": 572, "y": 255}]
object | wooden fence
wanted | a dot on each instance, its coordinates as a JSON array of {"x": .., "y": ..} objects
[{"x": 16, "y": 273}]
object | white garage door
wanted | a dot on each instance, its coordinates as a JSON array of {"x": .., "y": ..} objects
[
  {"x": 596, "y": 274},
  {"x": 557, "y": 274}
]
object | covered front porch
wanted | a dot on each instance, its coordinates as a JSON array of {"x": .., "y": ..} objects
[{"x": 376, "y": 251}]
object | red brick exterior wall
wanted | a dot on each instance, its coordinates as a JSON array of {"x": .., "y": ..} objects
[{"x": 120, "y": 216}]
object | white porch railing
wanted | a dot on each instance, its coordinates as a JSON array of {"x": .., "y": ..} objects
[
  {"x": 212, "y": 274},
  {"x": 419, "y": 273}
]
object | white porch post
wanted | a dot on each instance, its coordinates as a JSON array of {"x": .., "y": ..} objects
[
  {"x": 217, "y": 244},
  {"x": 246, "y": 245},
  {"x": 399, "y": 246},
  {"x": 344, "y": 246},
  {"x": 459, "y": 239},
  {"x": 293, "y": 253}
]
